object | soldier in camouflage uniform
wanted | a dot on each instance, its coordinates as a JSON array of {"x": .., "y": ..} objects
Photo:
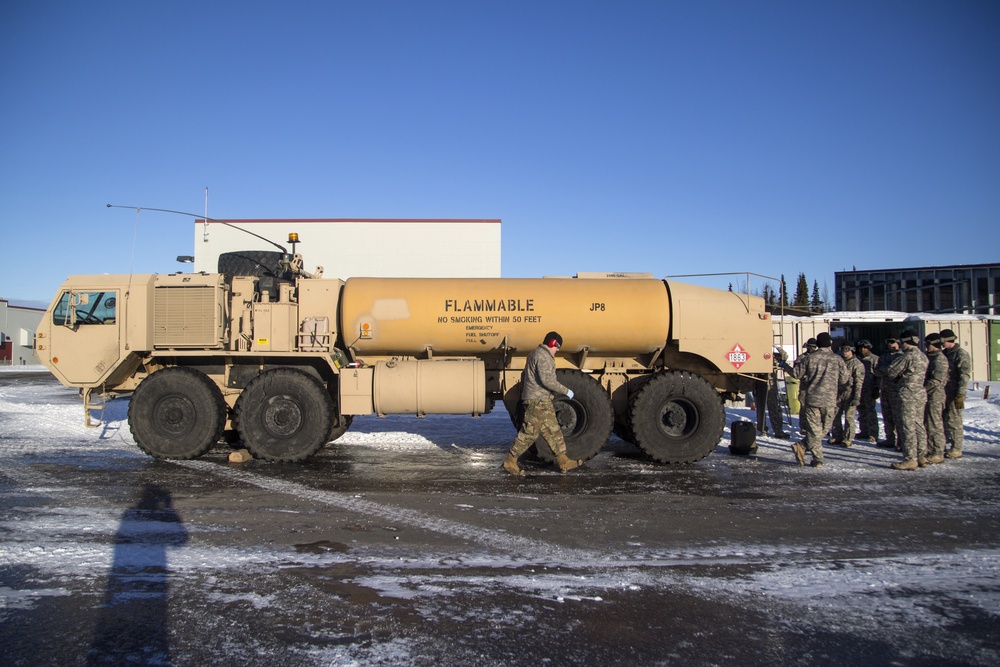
[
  {"x": 850, "y": 397},
  {"x": 958, "y": 383},
  {"x": 887, "y": 391},
  {"x": 765, "y": 393},
  {"x": 867, "y": 415},
  {"x": 538, "y": 385},
  {"x": 823, "y": 376},
  {"x": 908, "y": 371},
  {"x": 935, "y": 382},
  {"x": 793, "y": 370}
]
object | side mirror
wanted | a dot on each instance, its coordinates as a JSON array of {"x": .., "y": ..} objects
[{"x": 75, "y": 299}]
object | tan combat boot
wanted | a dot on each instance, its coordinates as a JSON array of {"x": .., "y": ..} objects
[
  {"x": 908, "y": 464},
  {"x": 510, "y": 465},
  {"x": 800, "y": 453},
  {"x": 566, "y": 464},
  {"x": 953, "y": 453}
]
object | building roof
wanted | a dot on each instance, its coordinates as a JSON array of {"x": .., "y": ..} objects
[
  {"x": 491, "y": 221},
  {"x": 884, "y": 316},
  {"x": 923, "y": 268},
  {"x": 24, "y": 304}
]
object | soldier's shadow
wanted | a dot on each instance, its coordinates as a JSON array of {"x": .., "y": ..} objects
[{"x": 132, "y": 625}]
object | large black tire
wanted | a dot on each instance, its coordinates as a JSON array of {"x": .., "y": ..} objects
[
  {"x": 176, "y": 413},
  {"x": 284, "y": 415},
  {"x": 623, "y": 422},
  {"x": 677, "y": 417},
  {"x": 340, "y": 423},
  {"x": 251, "y": 263},
  {"x": 339, "y": 427},
  {"x": 585, "y": 419},
  {"x": 624, "y": 431}
]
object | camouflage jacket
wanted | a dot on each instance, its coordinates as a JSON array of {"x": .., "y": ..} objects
[
  {"x": 961, "y": 372},
  {"x": 538, "y": 380},
  {"x": 871, "y": 382},
  {"x": 855, "y": 381},
  {"x": 822, "y": 375},
  {"x": 797, "y": 364},
  {"x": 908, "y": 371},
  {"x": 938, "y": 372},
  {"x": 887, "y": 384}
]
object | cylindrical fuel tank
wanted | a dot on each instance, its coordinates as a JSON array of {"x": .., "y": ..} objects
[
  {"x": 424, "y": 386},
  {"x": 451, "y": 316}
]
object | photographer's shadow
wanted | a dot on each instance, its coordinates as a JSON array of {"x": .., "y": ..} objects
[{"x": 132, "y": 623}]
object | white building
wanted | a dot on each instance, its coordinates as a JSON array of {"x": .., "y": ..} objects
[
  {"x": 363, "y": 247},
  {"x": 17, "y": 333}
]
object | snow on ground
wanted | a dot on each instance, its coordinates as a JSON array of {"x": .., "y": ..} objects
[{"x": 47, "y": 418}]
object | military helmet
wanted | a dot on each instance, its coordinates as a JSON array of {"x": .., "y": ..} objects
[{"x": 864, "y": 343}]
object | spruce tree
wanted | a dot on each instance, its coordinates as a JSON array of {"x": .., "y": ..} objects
[
  {"x": 816, "y": 304},
  {"x": 801, "y": 300},
  {"x": 769, "y": 296}
]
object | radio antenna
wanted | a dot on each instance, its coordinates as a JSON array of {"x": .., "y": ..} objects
[
  {"x": 137, "y": 209},
  {"x": 204, "y": 226}
]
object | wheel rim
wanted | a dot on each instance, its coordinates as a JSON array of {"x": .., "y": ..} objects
[
  {"x": 174, "y": 415},
  {"x": 572, "y": 417},
  {"x": 679, "y": 418},
  {"x": 282, "y": 416}
]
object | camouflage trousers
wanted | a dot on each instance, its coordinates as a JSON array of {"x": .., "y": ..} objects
[
  {"x": 815, "y": 423},
  {"x": 953, "y": 430},
  {"x": 765, "y": 394},
  {"x": 934, "y": 423},
  {"x": 539, "y": 420},
  {"x": 908, "y": 411},
  {"x": 888, "y": 421},
  {"x": 868, "y": 417},
  {"x": 843, "y": 423}
]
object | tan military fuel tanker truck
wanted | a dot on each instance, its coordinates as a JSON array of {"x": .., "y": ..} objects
[{"x": 282, "y": 360}]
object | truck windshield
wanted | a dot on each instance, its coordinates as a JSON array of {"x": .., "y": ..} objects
[{"x": 92, "y": 308}]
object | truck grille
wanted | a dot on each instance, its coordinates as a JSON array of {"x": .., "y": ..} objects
[{"x": 187, "y": 317}]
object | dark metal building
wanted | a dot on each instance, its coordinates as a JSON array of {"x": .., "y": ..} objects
[{"x": 970, "y": 289}]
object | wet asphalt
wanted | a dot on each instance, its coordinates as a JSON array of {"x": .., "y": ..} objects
[{"x": 375, "y": 555}]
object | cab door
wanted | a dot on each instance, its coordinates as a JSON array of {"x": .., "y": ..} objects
[{"x": 83, "y": 335}]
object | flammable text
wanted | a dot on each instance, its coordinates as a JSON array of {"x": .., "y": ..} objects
[{"x": 489, "y": 306}]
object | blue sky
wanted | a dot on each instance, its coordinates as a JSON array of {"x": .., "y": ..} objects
[{"x": 668, "y": 137}]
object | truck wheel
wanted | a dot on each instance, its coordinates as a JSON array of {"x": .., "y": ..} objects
[
  {"x": 677, "y": 417},
  {"x": 176, "y": 413},
  {"x": 340, "y": 423},
  {"x": 585, "y": 419},
  {"x": 339, "y": 427},
  {"x": 623, "y": 421},
  {"x": 624, "y": 431},
  {"x": 284, "y": 415}
]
